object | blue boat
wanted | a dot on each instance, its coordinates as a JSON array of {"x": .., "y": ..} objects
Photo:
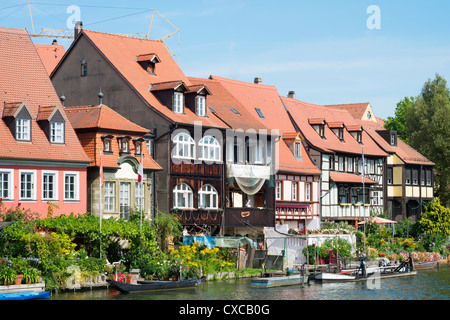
[{"x": 26, "y": 295}]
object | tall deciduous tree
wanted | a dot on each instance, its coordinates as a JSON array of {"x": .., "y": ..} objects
[
  {"x": 398, "y": 122},
  {"x": 428, "y": 127}
]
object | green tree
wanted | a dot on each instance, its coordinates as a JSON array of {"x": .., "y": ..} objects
[
  {"x": 167, "y": 225},
  {"x": 435, "y": 221},
  {"x": 398, "y": 122},
  {"x": 428, "y": 126}
]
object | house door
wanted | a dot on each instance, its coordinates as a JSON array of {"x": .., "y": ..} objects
[{"x": 125, "y": 200}]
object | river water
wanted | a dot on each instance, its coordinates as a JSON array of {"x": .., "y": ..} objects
[{"x": 432, "y": 284}]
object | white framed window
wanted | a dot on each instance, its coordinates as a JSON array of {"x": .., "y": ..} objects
[
  {"x": 71, "y": 186},
  {"x": 201, "y": 106},
  {"x": 294, "y": 191},
  {"x": 278, "y": 190},
  {"x": 178, "y": 102},
  {"x": 57, "y": 132},
  {"x": 307, "y": 191},
  {"x": 208, "y": 197},
  {"x": 124, "y": 200},
  {"x": 183, "y": 197},
  {"x": 209, "y": 149},
  {"x": 183, "y": 146},
  {"x": 27, "y": 185},
  {"x": 139, "y": 196},
  {"x": 297, "y": 149},
  {"x": 49, "y": 185},
  {"x": 110, "y": 196},
  {"x": 23, "y": 129},
  {"x": 7, "y": 184},
  {"x": 375, "y": 198}
]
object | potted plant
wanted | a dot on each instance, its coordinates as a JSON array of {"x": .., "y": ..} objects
[
  {"x": 7, "y": 276},
  {"x": 30, "y": 275}
]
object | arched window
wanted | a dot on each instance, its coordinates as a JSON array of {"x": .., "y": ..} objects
[
  {"x": 209, "y": 149},
  {"x": 208, "y": 197},
  {"x": 183, "y": 196},
  {"x": 183, "y": 146}
]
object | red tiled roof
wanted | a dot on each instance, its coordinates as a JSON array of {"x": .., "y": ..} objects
[
  {"x": 264, "y": 97},
  {"x": 121, "y": 52},
  {"x": 102, "y": 117},
  {"x": 23, "y": 78},
  {"x": 245, "y": 97},
  {"x": 302, "y": 111},
  {"x": 92, "y": 122},
  {"x": 355, "y": 109},
  {"x": 349, "y": 177},
  {"x": 50, "y": 55},
  {"x": 404, "y": 151},
  {"x": 222, "y": 102}
]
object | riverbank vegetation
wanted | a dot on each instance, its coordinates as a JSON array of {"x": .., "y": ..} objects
[{"x": 54, "y": 245}]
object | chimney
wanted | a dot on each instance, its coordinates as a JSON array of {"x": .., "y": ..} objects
[
  {"x": 258, "y": 80},
  {"x": 78, "y": 29},
  {"x": 291, "y": 94},
  {"x": 55, "y": 42}
]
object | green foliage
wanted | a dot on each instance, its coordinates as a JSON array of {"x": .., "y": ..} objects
[
  {"x": 398, "y": 122},
  {"x": 168, "y": 225},
  {"x": 429, "y": 125},
  {"x": 435, "y": 221}
]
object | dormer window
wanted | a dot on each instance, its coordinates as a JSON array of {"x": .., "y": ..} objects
[
  {"x": 297, "y": 149},
  {"x": 148, "y": 62},
  {"x": 124, "y": 144},
  {"x": 23, "y": 129},
  {"x": 52, "y": 123},
  {"x": 18, "y": 119},
  {"x": 318, "y": 125},
  {"x": 393, "y": 138},
  {"x": 107, "y": 147},
  {"x": 200, "y": 102},
  {"x": 138, "y": 145},
  {"x": 178, "y": 102},
  {"x": 56, "y": 132}
]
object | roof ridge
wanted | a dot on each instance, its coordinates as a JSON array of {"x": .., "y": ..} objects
[
  {"x": 121, "y": 35},
  {"x": 240, "y": 82}
]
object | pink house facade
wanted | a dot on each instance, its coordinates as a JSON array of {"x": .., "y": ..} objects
[
  {"x": 36, "y": 186},
  {"x": 42, "y": 161}
]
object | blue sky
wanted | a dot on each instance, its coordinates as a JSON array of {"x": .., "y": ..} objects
[{"x": 323, "y": 50}]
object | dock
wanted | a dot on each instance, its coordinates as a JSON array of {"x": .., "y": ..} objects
[{"x": 279, "y": 281}]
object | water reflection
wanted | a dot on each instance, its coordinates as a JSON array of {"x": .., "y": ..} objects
[{"x": 427, "y": 284}]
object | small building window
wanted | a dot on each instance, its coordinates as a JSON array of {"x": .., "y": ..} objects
[
  {"x": 71, "y": 185},
  {"x": 393, "y": 139},
  {"x": 278, "y": 190},
  {"x": 178, "y": 102},
  {"x": 260, "y": 114},
  {"x": 110, "y": 196},
  {"x": 297, "y": 149},
  {"x": 183, "y": 146},
  {"x": 83, "y": 72},
  {"x": 208, "y": 197},
  {"x": 23, "y": 129},
  {"x": 124, "y": 144},
  {"x": 389, "y": 178},
  {"x": 49, "y": 185},
  {"x": 209, "y": 149},
  {"x": 235, "y": 111},
  {"x": 107, "y": 145},
  {"x": 183, "y": 196},
  {"x": 200, "y": 102},
  {"x": 6, "y": 184},
  {"x": 294, "y": 191},
  {"x": 57, "y": 132}
]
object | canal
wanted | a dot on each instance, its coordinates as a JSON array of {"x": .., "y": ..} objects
[{"x": 432, "y": 284}]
